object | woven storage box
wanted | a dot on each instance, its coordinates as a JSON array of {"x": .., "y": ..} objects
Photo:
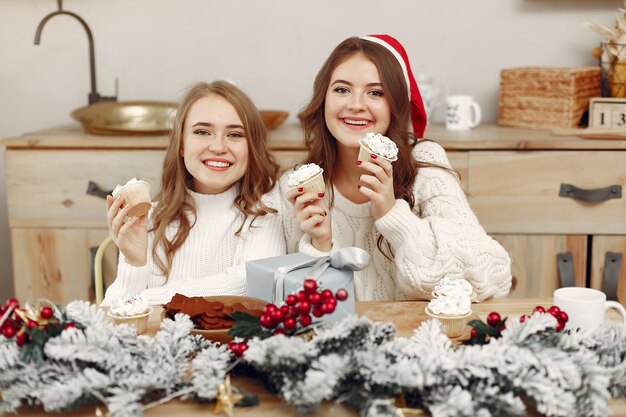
[{"x": 546, "y": 97}]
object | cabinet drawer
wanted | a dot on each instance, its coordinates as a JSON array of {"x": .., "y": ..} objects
[
  {"x": 518, "y": 192},
  {"x": 47, "y": 188}
]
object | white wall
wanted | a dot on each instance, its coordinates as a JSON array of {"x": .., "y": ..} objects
[{"x": 272, "y": 48}]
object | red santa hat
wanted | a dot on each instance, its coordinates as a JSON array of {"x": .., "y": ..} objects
[{"x": 418, "y": 113}]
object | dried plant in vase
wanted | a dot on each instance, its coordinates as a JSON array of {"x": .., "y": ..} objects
[{"x": 612, "y": 54}]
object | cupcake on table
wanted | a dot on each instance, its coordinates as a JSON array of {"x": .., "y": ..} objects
[
  {"x": 133, "y": 310},
  {"x": 451, "y": 304}
]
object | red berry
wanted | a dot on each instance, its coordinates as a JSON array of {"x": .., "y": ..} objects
[
  {"x": 232, "y": 346},
  {"x": 502, "y": 327},
  {"x": 12, "y": 302},
  {"x": 317, "y": 311},
  {"x": 315, "y": 298},
  {"x": 70, "y": 325},
  {"x": 284, "y": 310},
  {"x": 292, "y": 311},
  {"x": 539, "y": 309},
  {"x": 289, "y": 323},
  {"x": 46, "y": 313},
  {"x": 291, "y": 300},
  {"x": 8, "y": 332},
  {"x": 277, "y": 316},
  {"x": 493, "y": 318},
  {"x": 305, "y": 320},
  {"x": 243, "y": 346},
  {"x": 310, "y": 285},
  {"x": 523, "y": 318},
  {"x": 326, "y": 294},
  {"x": 559, "y": 326},
  {"x": 31, "y": 324},
  {"x": 327, "y": 308},
  {"x": 269, "y": 308},
  {"x": 563, "y": 317},
  {"x": 473, "y": 332},
  {"x": 266, "y": 321},
  {"x": 21, "y": 339},
  {"x": 332, "y": 301},
  {"x": 554, "y": 310},
  {"x": 280, "y": 330},
  {"x": 303, "y": 296},
  {"x": 304, "y": 307},
  {"x": 341, "y": 294}
]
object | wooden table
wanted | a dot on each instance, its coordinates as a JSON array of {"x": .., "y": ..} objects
[{"x": 405, "y": 315}]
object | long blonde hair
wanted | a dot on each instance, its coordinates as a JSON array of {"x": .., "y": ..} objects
[{"x": 174, "y": 203}]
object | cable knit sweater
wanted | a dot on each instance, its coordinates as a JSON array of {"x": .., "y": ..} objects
[
  {"x": 212, "y": 259},
  {"x": 440, "y": 237}
]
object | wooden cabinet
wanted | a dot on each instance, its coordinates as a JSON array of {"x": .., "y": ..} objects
[
  {"x": 513, "y": 177},
  {"x": 554, "y": 202},
  {"x": 56, "y": 181}
]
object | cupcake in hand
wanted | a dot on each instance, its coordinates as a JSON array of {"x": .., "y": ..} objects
[
  {"x": 381, "y": 146},
  {"x": 309, "y": 177},
  {"x": 133, "y": 310},
  {"x": 135, "y": 193},
  {"x": 452, "y": 305}
]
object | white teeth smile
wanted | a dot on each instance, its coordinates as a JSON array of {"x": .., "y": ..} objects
[
  {"x": 217, "y": 164},
  {"x": 356, "y": 122}
]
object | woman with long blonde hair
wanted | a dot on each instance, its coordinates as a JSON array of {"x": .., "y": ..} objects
[
  {"x": 411, "y": 215},
  {"x": 217, "y": 207}
]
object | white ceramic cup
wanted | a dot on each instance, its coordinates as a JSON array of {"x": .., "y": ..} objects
[
  {"x": 585, "y": 307},
  {"x": 462, "y": 112}
]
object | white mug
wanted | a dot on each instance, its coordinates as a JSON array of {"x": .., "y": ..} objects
[
  {"x": 585, "y": 307},
  {"x": 462, "y": 113}
]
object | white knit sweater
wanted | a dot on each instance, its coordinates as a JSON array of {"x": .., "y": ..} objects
[
  {"x": 212, "y": 259},
  {"x": 440, "y": 237}
]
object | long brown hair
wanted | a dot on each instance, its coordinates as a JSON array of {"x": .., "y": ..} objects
[
  {"x": 174, "y": 201},
  {"x": 320, "y": 142}
]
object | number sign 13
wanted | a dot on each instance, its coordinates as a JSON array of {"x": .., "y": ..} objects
[{"x": 607, "y": 113}]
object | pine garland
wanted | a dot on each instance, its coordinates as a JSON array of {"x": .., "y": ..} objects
[{"x": 355, "y": 361}]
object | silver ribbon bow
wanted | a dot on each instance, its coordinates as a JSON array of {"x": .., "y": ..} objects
[{"x": 351, "y": 258}]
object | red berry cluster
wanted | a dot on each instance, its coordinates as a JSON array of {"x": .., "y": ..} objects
[
  {"x": 18, "y": 322},
  {"x": 560, "y": 315},
  {"x": 237, "y": 347},
  {"x": 481, "y": 333},
  {"x": 297, "y": 309},
  {"x": 495, "y": 321}
]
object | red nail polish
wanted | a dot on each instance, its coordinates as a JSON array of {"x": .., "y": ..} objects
[
  {"x": 374, "y": 156},
  {"x": 320, "y": 195},
  {"x": 358, "y": 186},
  {"x": 359, "y": 162},
  {"x": 300, "y": 189}
]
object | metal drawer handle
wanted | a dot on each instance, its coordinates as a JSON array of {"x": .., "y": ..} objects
[
  {"x": 612, "y": 268},
  {"x": 592, "y": 196},
  {"x": 565, "y": 266},
  {"x": 93, "y": 189}
]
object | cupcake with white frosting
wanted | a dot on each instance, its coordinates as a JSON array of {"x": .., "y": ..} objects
[
  {"x": 136, "y": 194},
  {"x": 133, "y": 310},
  {"x": 381, "y": 146},
  {"x": 452, "y": 305},
  {"x": 309, "y": 177}
]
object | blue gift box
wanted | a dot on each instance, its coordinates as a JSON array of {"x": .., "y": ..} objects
[{"x": 271, "y": 279}]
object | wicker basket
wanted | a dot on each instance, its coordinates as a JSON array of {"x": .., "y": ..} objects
[{"x": 546, "y": 97}]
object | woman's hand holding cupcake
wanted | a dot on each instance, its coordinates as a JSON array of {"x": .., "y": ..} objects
[
  {"x": 306, "y": 195},
  {"x": 376, "y": 154},
  {"x": 377, "y": 185},
  {"x": 131, "y": 237}
]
